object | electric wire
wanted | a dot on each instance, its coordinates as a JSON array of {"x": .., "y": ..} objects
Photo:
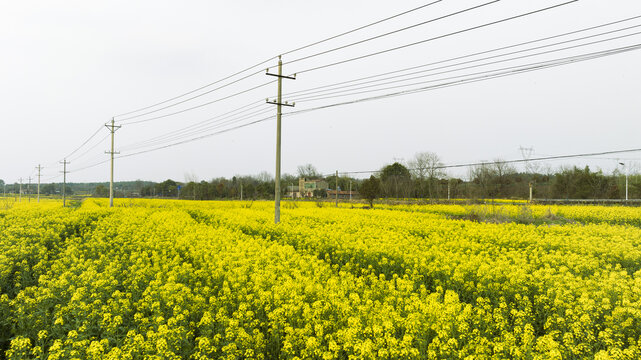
[
  {"x": 360, "y": 28},
  {"x": 325, "y": 94},
  {"x": 461, "y": 82},
  {"x": 204, "y": 104},
  {"x": 173, "y": 137},
  {"x": 89, "y": 149},
  {"x": 202, "y": 123},
  {"x": 199, "y": 137},
  {"x": 196, "y": 126},
  {"x": 270, "y": 59},
  {"x": 391, "y": 32},
  {"x": 323, "y": 66},
  {"x": 201, "y": 88},
  {"x": 195, "y": 97},
  {"x": 342, "y": 85},
  {"x": 434, "y": 38},
  {"x": 85, "y": 142},
  {"x": 467, "y": 56},
  {"x": 515, "y": 161},
  {"x": 537, "y": 66}
]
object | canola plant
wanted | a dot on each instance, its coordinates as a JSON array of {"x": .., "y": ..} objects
[{"x": 161, "y": 279}]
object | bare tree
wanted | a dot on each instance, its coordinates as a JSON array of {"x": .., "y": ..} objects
[
  {"x": 426, "y": 167},
  {"x": 502, "y": 170},
  {"x": 264, "y": 176},
  {"x": 308, "y": 171},
  {"x": 191, "y": 177}
]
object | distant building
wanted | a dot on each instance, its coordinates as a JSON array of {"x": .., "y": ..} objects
[
  {"x": 307, "y": 187},
  {"x": 343, "y": 194}
]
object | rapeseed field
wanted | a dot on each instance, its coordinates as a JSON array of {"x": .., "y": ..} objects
[{"x": 163, "y": 279}]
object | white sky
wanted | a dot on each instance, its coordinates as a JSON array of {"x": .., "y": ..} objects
[{"x": 67, "y": 67}]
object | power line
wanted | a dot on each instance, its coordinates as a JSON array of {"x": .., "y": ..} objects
[
  {"x": 537, "y": 66},
  {"x": 468, "y": 56},
  {"x": 199, "y": 137},
  {"x": 327, "y": 95},
  {"x": 391, "y": 32},
  {"x": 86, "y": 141},
  {"x": 361, "y": 27},
  {"x": 202, "y": 105},
  {"x": 465, "y": 81},
  {"x": 435, "y": 38},
  {"x": 203, "y": 123},
  {"x": 173, "y": 137},
  {"x": 266, "y": 61},
  {"x": 202, "y": 87},
  {"x": 338, "y": 85},
  {"x": 197, "y": 128},
  {"x": 515, "y": 161},
  {"x": 89, "y": 149},
  {"x": 195, "y": 97}
]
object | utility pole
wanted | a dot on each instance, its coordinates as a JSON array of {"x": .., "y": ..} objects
[
  {"x": 20, "y": 196},
  {"x": 350, "y": 191},
  {"x": 39, "y": 170},
  {"x": 112, "y": 128},
  {"x": 627, "y": 170},
  {"x": 241, "y": 191},
  {"x": 448, "y": 189},
  {"x": 531, "y": 185},
  {"x": 64, "y": 181},
  {"x": 336, "y": 188},
  {"x": 279, "y": 103},
  {"x": 29, "y": 190}
]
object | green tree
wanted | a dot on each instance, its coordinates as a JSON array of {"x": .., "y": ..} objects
[
  {"x": 396, "y": 180},
  {"x": 370, "y": 189},
  {"x": 101, "y": 191}
]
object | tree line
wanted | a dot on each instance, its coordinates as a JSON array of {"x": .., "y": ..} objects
[{"x": 423, "y": 177}]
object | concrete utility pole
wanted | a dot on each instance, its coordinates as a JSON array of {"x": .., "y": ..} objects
[
  {"x": 39, "y": 170},
  {"x": 20, "y": 196},
  {"x": 64, "y": 181},
  {"x": 350, "y": 190},
  {"x": 531, "y": 185},
  {"x": 112, "y": 128},
  {"x": 336, "y": 188},
  {"x": 448, "y": 189},
  {"x": 241, "y": 191},
  {"x": 627, "y": 170},
  {"x": 29, "y": 190},
  {"x": 279, "y": 103}
]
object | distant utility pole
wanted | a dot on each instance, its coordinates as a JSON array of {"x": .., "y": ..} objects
[
  {"x": 241, "y": 191},
  {"x": 627, "y": 170},
  {"x": 64, "y": 181},
  {"x": 279, "y": 103},
  {"x": 336, "y": 188},
  {"x": 527, "y": 153},
  {"x": 39, "y": 170},
  {"x": 350, "y": 190},
  {"x": 112, "y": 128},
  {"x": 29, "y": 190},
  {"x": 20, "y": 196}
]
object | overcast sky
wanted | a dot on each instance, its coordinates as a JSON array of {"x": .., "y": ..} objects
[{"x": 68, "y": 67}]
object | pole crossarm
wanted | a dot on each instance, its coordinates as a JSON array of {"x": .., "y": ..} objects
[
  {"x": 293, "y": 77},
  {"x": 275, "y": 102}
]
